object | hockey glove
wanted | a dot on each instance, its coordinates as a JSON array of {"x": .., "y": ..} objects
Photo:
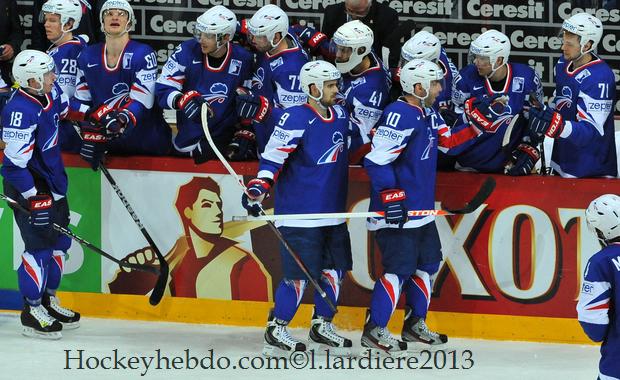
[
  {"x": 105, "y": 117},
  {"x": 482, "y": 112},
  {"x": 93, "y": 147},
  {"x": 523, "y": 159},
  {"x": 546, "y": 122},
  {"x": 394, "y": 206},
  {"x": 257, "y": 190},
  {"x": 252, "y": 106},
  {"x": 243, "y": 146},
  {"x": 449, "y": 116},
  {"x": 190, "y": 104},
  {"x": 312, "y": 39},
  {"x": 41, "y": 210}
]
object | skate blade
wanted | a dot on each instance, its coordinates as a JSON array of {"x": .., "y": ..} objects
[
  {"x": 369, "y": 351},
  {"x": 321, "y": 349},
  {"x": 276, "y": 352},
  {"x": 417, "y": 346},
  {"x": 70, "y": 325},
  {"x": 32, "y": 333}
]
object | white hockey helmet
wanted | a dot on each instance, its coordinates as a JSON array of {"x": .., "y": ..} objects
[
  {"x": 32, "y": 64},
  {"x": 122, "y": 5},
  {"x": 492, "y": 44},
  {"x": 317, "y": 73},
  {"x": 357, "y": 36},
  {"x": 67, "y": 9},
  {"x": 587, "y": 27},
  {"x": 267, "y": 21},
  {"x": 420, "y": 71},
  {"x": 423, "y": 45},
  {"x": 219, "y": 21},
  {"x": 603, "y": 217}
]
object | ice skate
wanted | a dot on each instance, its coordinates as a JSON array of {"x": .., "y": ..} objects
[
  {"x": 278, "y": 340},
  {"x": 37, "y": 323},
  {"x": 70, "y": 319},
  {"x": 379, "y": 340},
  {"x": 416, "y": 330},
  {"x": 323, "y": 336}
]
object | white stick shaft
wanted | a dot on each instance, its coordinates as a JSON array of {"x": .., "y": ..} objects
[{"x": 338, "y": 215}]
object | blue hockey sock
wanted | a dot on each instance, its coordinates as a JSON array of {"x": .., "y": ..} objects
[
  {"x": 384, "y": 298},
  {"x": 417, "y": 291},
  {"x": 287, "y": 298},
  {"x": 55, "y": 269},
  {"x": 330, "y": 283},
  {"x": 32, "y": 274}
]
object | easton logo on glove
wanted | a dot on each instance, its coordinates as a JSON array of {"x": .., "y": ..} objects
[
  {"x": 392, "y": 196},
  {"x": 101, "y": 111},
  {"x": 41, "y": 205},
  {"x": 556, "y": 126},
  {"x": 94, "y": 137}
]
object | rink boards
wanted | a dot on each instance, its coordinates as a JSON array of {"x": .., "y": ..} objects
[{"x": 511, "y": 269}]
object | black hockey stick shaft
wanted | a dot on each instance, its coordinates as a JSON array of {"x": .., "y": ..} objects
[
  {"x": 205, "y": 127},
  {"x": 84, "y": 242},
  {"x": 162, "y": 280},
  {"x": 483, "y": 193}
]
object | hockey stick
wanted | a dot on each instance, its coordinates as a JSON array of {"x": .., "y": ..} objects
[
  {"x": 162, "y": 280},
  {"x": 205, "y": 127},
  {"x": 94, "y": 248},
  {"x": 485, "y": 191}
]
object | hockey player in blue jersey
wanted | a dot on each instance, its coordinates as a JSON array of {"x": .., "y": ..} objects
[
  {"x": 116, "y": 91},
  {"x": 61, "y": 18},
  {"x": 489, "y": 75},
  {"x": 275, "y": 82},
  {"x": 597, "y": 308},
  {"x": 366, "y": 83},
  {"x": 208, "y": 68},
  {"x": 308, "y": 148},
  {"x": 401, "y": 167},
  {"x": 34, "y": 175},
  {"x": 581, "y": 117}
]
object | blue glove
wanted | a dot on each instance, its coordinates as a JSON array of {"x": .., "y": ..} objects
[
  {"x": 252, "y": 106},
  {"x": 545, "y": 122},
  {"x": 243, "y": 146},
  {"x": 257, "y": 190},
  {"x": 314, "y": 40},
  {"x": 41, "y": 210},
  {"x": 394, "y": 206},
  {"x": 483, "y": 111},
  {"x": 524, "y": 157},
  {"x": 190, "y": 104},
  {"x": 93, "y": 148},
  {"x": 105, "y": 117}
]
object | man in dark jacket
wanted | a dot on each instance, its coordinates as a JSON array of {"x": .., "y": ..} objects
[
  {"x": 11, "y": 38},
  {"x": 378, "y": 16}
]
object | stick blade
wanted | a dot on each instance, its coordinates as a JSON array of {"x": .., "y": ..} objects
[
  {"x": 160, "y": 285},
  {"x": 485, "y": 191}
]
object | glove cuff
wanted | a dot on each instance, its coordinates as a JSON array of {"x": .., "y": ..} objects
[
  {"x": 40, "y": 202},
  {"x": 556, "y": 126},
  {"x": 182, "y": 102},
  {"x": 393, "y": 195},
  {"x": 530, "y": 150}
]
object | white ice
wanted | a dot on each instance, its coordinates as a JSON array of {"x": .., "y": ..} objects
[{"x": 28, "y": 358}]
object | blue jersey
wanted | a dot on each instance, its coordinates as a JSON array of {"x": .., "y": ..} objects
[
  {"x": 366, "y": 94},
  {"x": 311, "y": 154},
  {"x": 404, "y": 156},
  {"x": 277, "y": 78},
  {"x": 65, "y": 57},
  {"x": 186, "y": 70},
  {"x": 597, "y": 308},
  {"x": 30, "y": 132},
  {"x": 586, "y": 99},
  {"x": 486, "y": 154},
  {"x": 444, "y": 100},
  {"x": 129, "y": 85}
]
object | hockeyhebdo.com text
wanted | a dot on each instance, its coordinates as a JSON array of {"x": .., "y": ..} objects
[{"x": 116, "y": 360}]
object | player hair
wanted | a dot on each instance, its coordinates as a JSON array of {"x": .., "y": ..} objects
[{"x": 187, "y": 194}]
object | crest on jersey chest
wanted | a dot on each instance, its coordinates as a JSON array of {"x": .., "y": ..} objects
[
  {"x": 120, "y": 92},
  {"x": 217, "y": 93},
  {"x": 258, "y": 78},
  {"x": 565, "y": 99},
  {"x": 331, "y": 155}
]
